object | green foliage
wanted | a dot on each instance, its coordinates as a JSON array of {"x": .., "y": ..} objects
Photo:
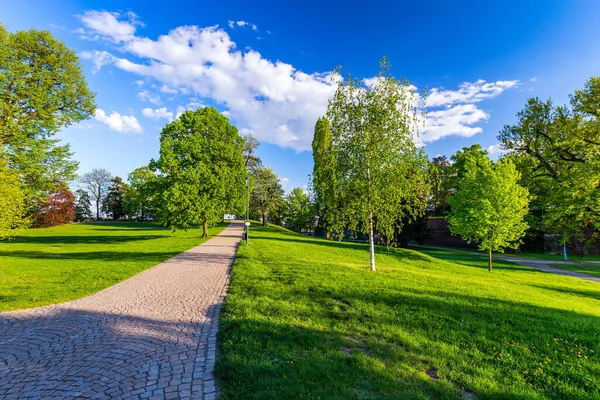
[
  {"x": 299, "y": 211},
  {"x": 381, "y": 174},
  {"x": 556, "y": 150},
  {"x": 324, "y": 179},
  {"x": 489, "y": 207},
  {"x": 139, "y": 198},
  {"x": 201, "y": 170},
  {"x": 12, "y": 203},
  {"x": 42, "y": 89},
  {"x": 267, "y": 194},
  {"x": 113, "y": 203},
  {"x": 83, "y": 205},
  {"x": 302, "y": 321},
  {"x": 251, "y": 160},
  {"x": 442, "y": 174},
  {"x": 53, "y": 265}
]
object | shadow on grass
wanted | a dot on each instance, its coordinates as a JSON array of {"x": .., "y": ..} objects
[
  {"x": 113, "y": 256},
  {"x": 471, "y": 260},
  {"x": 399, "y": 253},
  {"x": 395, "y": 345},
  {"x": 98, "y": 239},
  {"x": 577, "y": 292},
  {"x": 71, "y": 353}
]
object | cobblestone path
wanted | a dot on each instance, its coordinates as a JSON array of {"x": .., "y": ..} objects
[{"x": 151, "y": 336}]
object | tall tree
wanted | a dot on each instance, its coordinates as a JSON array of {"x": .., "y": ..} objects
[
  {"x": 299, "y": 214},
  {"x": 379, "y": 168},
  {"x": 112, "y": 204},
  {"x": 489, "y": 206},
  {"x": 201, "y": 170},
  {"x": 251, "y": 160},
  {"x": 83, "y": 205},
  {"x": 140, "y": 195},
  {"x": 58, "y": 209},
  {"x": 42, "y": 89},
  {"x": 96, "y": 182},
  {"x": 12, "y": 203},
  {"x": 267, "y": 194},
  {"x": 556, "y": 149},
  {"x": 324, "y": 180},
  {"x": 442, "y": 175}
]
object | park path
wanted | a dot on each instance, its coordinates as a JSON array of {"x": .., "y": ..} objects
[
  {"x": 542, "y": 265},
  {"x": 150, "y": 336}
]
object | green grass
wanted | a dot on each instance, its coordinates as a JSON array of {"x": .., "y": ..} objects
[
  {"x": 537, "y": 256},
  {"x": 581, "y": 267},
  {"x": 305, "y": 319},
  {"x": 52, "y": 265}
]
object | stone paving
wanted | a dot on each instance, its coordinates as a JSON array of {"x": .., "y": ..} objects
[{"x": 152, "y": 336}]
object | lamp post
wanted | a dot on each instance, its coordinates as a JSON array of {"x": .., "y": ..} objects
[{"x": 247, "y": 208}]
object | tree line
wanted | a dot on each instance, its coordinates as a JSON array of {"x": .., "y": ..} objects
[{"x": 369, "y": 179}]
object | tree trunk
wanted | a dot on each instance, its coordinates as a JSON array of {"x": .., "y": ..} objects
[
  {"x": 371, "y": 242},
  {"x": 98, "y": 210},
  {"x": 264, "y": 221},
  {"x": 205, "y": 228},
  {"x": 490, "y": 260}
]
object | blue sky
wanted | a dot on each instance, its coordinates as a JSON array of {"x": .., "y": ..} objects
[{"x": 266, "y": 64}]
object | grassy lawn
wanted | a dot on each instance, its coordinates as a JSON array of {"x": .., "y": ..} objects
[
  {"x": 52, "y": 265},
  {"x": 537, "y": 256},
  {"x": 306, "y": 319},
  {"x": 581, "y": 267}
]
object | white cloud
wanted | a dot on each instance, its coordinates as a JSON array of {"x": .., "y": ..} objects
[
  {"x": 118, "y": 122},
  {"x": 468, "y": 92},
  {"x": 145, "y": 95},
  {"x": 232, "y": 24},
  {"x": 109, "y": 25},
  {"x": 272, "y": 100},
  {"x": 167, "y": 89},
  {"x": 496, "y": 150},
  {"x": 534, "y": 79},
  {"x": 158, "y": 113}
]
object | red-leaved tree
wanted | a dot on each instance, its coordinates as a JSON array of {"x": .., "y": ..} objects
[{"x": 57, "y": 210}]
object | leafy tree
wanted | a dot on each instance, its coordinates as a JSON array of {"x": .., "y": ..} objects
[
  {"x": 459, "y": 160},
  {"x": 58, "y": 209},
  {"x": 83, "y": 205},
  {"x": 267, "y": 194},
  {"x": 139, "y": 197},
  {"x": 299, "y": 214},
  {"x": 381, "y": 173},
  {"x": 324, "y": 180},
  {"x": 12, "y": 203},
  {"x": 442, "y": 177},
  {"x": 201, "y": 170},
  {"x": 489, "y": 206},
  {"x": 251, "y": 160},
  {"x": 42, "y": 89},
  {"x": 96, "y": 182},
  {"x": 112, "y": 204},
  {"x": 556, "y": 150}
]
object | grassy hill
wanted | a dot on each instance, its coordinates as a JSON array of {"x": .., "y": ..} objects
[
  {"x": 52, "y": 265},
  {"x": 306, "y": 319}
]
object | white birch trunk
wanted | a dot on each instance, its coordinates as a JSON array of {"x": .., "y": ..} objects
[{"x": 371, "y": 242}]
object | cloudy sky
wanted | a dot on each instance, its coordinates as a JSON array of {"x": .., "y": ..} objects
[{"x": 266, "y": 65}]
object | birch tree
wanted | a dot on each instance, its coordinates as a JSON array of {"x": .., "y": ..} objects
[{"x": 379, "y": 169}]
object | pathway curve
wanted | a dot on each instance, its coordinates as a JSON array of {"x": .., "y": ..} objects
[
  {"x": 542, "y": 265},
  {"x": 150, "y": 336}
]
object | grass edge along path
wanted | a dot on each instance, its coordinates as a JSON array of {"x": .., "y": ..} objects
[
  {"x": 53, "y": 265},
  {"x": 587, "y": 268},
  {"x": 304, "y": 318}
]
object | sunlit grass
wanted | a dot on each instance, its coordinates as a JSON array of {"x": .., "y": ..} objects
[
  {"x": 50, "y": 265},
  {"x": 306, "y": 319}
]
